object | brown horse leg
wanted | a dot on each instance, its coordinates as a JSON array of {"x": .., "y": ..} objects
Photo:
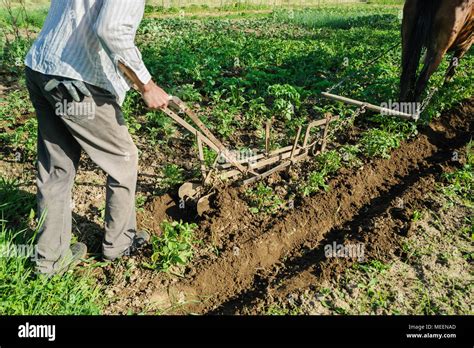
[
  {"x": 458, "y": 54},
  {"x": 452, "y": 67},
  {"x": 408, "y": 76},
  {"x": 432, "y": 62}
]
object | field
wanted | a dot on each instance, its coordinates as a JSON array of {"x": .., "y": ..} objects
[{"x": 400, "y": 193}]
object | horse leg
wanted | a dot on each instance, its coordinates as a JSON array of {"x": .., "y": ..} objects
[
  {"x": 452, "y": 67},
  {"x": 458, "y": 54},
  {"x": 408, "y": 76},
  {"x": 432, "y": 62}
]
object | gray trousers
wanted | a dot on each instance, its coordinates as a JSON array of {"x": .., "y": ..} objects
[{"x": 97, "y": 126}]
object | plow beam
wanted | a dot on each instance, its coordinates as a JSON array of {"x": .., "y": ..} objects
[{"x": 372, "y": 107}]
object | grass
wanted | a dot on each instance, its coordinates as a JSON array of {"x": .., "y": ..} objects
[
  {"x": 15, "y": 204},
  {"x": 337, "y": 17},
  {"x": 19, "y": 135},
  {"x": 33, "y": 18},
  {"x": 22, "y": 292}
]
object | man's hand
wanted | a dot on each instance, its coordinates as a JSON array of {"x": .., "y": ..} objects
[{"x": 154, "y": 96}]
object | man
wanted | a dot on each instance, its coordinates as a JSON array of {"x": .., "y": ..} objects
[{"x": 78, "y": 72}]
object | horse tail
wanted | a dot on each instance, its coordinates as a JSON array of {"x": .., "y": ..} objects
[{"x": 418, "y": 38}]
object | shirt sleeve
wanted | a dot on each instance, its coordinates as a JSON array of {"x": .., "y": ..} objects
[{"x": 116, "y": 28}]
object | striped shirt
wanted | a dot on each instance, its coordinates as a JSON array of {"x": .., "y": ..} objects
[{"x": 86, "y": 39}]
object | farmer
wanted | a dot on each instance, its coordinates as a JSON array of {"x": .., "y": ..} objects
[{"x": 76, "y": 76}]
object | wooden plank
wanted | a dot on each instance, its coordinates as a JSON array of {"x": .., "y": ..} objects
[
  {"x": 306, "y": 135},
  {"x": 322, "y": 122},
  {"x": 222, "y": 149},
  {"x": 190, "y": 128},
  {"x": 267, "y": 137},
  {"x": 257, "y": 157},
  {"x": 201, "y": 157},
  {"x": 371, "y": 107},
  {"x": 267, "y": 173},
  {"x": 313, "y": 124},
  {"x": 276, "y": 169},
  {"x": 276, "y": 152},
  {"x": 265, "y": 162},
  {"x": 295, "y": 144},
  {"x": 325, "y": 134}
]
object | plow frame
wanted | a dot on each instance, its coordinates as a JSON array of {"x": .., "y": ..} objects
[{"x": 249, "y": 170}]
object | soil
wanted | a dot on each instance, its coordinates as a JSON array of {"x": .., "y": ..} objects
[{"x": 244, "y": 255}]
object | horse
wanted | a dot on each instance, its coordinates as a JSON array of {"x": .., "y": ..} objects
[{"x": 440, "y": 26}]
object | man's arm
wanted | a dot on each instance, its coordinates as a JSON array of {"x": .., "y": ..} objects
[{"x": 116, "y": 28}]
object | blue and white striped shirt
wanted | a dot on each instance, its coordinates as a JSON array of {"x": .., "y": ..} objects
[{"x": 85, "y": 40}]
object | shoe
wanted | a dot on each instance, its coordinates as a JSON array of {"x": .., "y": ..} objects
[
  {"x": 78, "y": 252},
  {"x": 140, "y": 239}
]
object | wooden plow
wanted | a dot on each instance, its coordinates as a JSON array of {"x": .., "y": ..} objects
[{"x": 229, "y": 166}]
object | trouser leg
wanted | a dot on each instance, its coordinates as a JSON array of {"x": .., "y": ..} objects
[
  {"x": 105, "y": 138},
  {"x": 58, "y": 158},
  {"x": 98, "y": 126}
]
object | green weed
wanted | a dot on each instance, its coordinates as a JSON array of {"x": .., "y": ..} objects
[
  {"x": 160, "y": 127},
  {"x": 174, "y": 248},
  {"x": 373, "y": 266},
  {"x": 461, "y": 182},
  {"x": 277, "y": 310},
  {"x": 328, "y": 163},
  {"x": 315, "y": 182},
  {"x": 140, "y": 201},
  {"x": 350, "y": 155},
  {"x": 262, "y": 199},
  {"x": 172, "y": 175},
  {"x": 379, "y": 143},
  {"x": 286, "y": 100},
  {"x": 416, "y": 216}
]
